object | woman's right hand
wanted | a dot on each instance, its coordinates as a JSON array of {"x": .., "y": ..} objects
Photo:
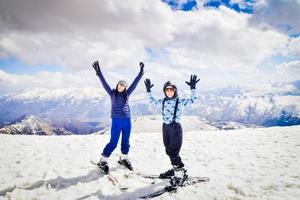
[
  {"x": 96, "y": 67},
  {"x": 142, "y": 67}
]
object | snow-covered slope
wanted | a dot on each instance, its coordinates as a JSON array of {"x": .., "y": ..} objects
[
  {"x": 77, "y": 127},
  {"x": 242, "y": 164},
  {"x": 153, "y": 123}
]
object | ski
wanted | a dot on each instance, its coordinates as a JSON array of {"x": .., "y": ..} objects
[
  {"x": 154, "y": 176},
  {"x": 158, "y": 193},
  {"x": 150, "y": 176},
  {"x": 168, "y": 188},
  {"x": 111, "y": 178}
]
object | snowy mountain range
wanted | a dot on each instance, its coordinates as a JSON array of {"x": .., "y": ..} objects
[
  {"x": 32, "y": 125},
  {"x": 87, "y": 110}
]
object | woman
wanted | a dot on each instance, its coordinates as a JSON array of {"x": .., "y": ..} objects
[{"x": 121, "y": 119}]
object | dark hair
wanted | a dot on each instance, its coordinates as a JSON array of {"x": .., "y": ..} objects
[{"x": 124, "y": 93}]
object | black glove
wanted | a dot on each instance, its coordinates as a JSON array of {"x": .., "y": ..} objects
[
  {"x": 142, "y": 67},
  {"x": 97, "y": 67},
  {"x": 148, "y": 85},
  {"x": 193, "y": 82}
]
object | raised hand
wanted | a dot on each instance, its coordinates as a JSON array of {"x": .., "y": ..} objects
[
  {"x": 193, "y": 81},
  {"x": 142, "y": 67},
  {"x": 148, "y": 85},
  {"x": 97, "y": 67}
]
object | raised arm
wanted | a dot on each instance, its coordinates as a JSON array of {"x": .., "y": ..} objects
[
  {"x": 101, "y": 77},
  {"x": 148, "y": 88},
  {"x": 191, "y": 99},
  {"x": 136, "y": 80},
  {"x": 192, "y": 84}
]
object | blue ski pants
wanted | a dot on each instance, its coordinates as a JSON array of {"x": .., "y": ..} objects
[{"x": 118, "y": 125}]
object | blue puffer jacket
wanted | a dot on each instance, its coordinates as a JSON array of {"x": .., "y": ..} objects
[{"x": 119, "y": 101}]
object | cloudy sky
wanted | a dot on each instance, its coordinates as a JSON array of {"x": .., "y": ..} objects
[{"x": 52, "y": 44}]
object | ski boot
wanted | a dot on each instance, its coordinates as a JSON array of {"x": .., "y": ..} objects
[
  {"x": 103, "y": 165},
  {"x": 168, "y": 174},
  {"x": 125, "y": 162},
  {"x": 179, "y": 178}
]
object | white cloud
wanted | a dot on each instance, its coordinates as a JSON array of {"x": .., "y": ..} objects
[
  {"x": 288, "y": 71},
  {"x": 292, "y": 48},
  {"x": 72, "y": 33},
  {"x": 219, "y": 45},
  {"x": 221, "y": 39},
  {"x": 283, "y": 15},
  {"x": 14, "y": 82},
  {"x": 10, "y": 83}
]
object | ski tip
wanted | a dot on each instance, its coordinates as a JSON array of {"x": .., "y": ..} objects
[{"x": 124, "y": 188}]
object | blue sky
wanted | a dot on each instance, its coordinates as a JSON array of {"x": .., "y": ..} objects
[
  {"x": 227, "y": 39},
  {"x": 190, "y": 4},
  {"x": 15, "y": 66},
  {"x": 248, "y": 8}
]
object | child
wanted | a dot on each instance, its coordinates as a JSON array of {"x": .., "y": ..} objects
[
  {"x": 172, "y": 130},
  {"x": 121, "y": 119}
]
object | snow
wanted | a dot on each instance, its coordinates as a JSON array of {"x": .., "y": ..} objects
[
  {"x": 285, "y": 101},
  {"x": 152, "y": 123},
  {"x": 261, "y": 163}
]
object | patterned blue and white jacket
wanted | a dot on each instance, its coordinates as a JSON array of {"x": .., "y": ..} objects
[{"x": 169, "y": 106}]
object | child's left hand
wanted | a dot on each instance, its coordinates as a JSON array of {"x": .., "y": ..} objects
[{"x": 193, "y": 81}]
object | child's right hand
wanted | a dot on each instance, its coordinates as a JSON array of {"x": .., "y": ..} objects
[{"x": 148, "y": 85}]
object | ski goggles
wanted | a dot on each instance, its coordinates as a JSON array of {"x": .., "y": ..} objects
[{"x": 170, "y": 89}]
